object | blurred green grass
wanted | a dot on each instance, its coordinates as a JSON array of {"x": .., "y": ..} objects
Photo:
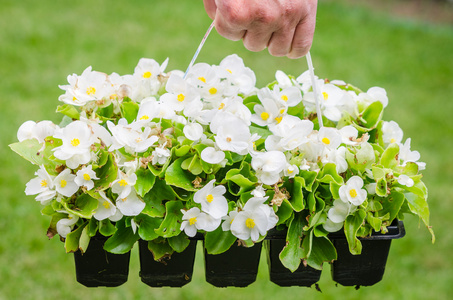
[{"x": 44, "y": 41}]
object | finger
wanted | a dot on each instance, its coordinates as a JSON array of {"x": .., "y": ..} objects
[
  {"x": 256, "y": 40},
  {"x": 303, "y": 36},
  {"x": 280, "y": 42},
  {"x": 227, "y": 29},
  {"x": 210, "y": 7}
]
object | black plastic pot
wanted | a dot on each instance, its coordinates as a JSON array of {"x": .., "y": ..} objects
[
  {"x": 97, "y": 267},
  {"x": 367, "y": 268},
  {"x": 238, "y": 266},
  {"x": 280, "y": 275},
  {"x": 175, "y": 271}
]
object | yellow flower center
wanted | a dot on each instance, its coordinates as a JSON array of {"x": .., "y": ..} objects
[
  {"x": 75, "y": 142},
  {"x": 213, "y": 91},
  {"x": 192, "y": 221},
  {"x": 284, "y": 98},
  {"x": 145, "y": 117},
  {"x": 106, "y": 204},
  {"x": 229, "y": 71},
  {"x": 222, "y": 105},
  {"x": 250, "y": 223},
  {"x": 74, "y": 99},
  {"x": 43, "y": 183},
  {"x": 228, "y": 139},
  {"x": 63, "y": 183},
  {"x": 202, "y": 79},
  {"x": 282, "y": 111},
  {"x": 113, "y": 96},
  {"x": 181, "y": 97},
  {"x": 147, "y": 74},
  {"x": 392, "y": 141},
  {"x": 264, "y": 115},
  {"x": 122, "y": 182},
  {"x": 278, "y": 119},
  {"x": 325, "y": 95},
  {"x": 91, "y": 90},
  {"x": 138, "y": 140},
  {"x": 353, "y": 193},
  {"x": 124, "y": 199},
  {"x": 86, "y": 177},
  {"x": 326, "y": 140},
  {"x": 290, "y": 171},
  {"x": 209, "y": 198}
]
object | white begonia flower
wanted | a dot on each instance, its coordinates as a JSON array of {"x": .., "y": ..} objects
[
  {"x": 77, "y": 139},
  {"x": 391, "y": 132},
  {"x": 212, "y": 156},
  {"x": 232, "y": 105},
  {"x": 38, "y": 131},
  {"x": 105, "y": 209},
  {"x": 226, "y": 225},
  {"x": 253, "y": 220},
  {"x": 232, "y": 134},
  {"x": 340, "y": 210},
  {"x": 333, "y": 101},
  {"x": 371, "y": 188},
  {"x": 338, "y": 157},
  {"x": 64, "y": 183},
  {"x": 268, "y": 112},
  {"x": 291, "y": 171},
  {"x": 99, "y": 131},
  {"x": 289, "y": 134},
  {"x": 42, "y": 185},
  {"x": 349, "y": 135},
  {"x": 131, "y": 136},
  {"x": 64, "y": 226},
  {"x": 329, "y": 137},
  {"x": 180, "y": 93},
  {"x": 353, "y": 191},
  {"x": 233, "y": 69},
  {"x": 212, "y": 200},
  {"x": 304, "y": 80},
  {"x": 283, "y": 80},
  {"x": 259, "y": 192},
  {"x": 193, "y": 131},
  {"x": 131, "y": 205},
  {"x": 146, "y": 82},
  {"x": 148, "y": 110},
  {"x": 406, "y": 155},
  {"x": 160, "y": 155},
  {"x": 374, "y": 94},
  {"x": 405, "y": 180},
  {"x": 194, "y": 220},
  {"x": 85, "y": 177},
  {"x": 123, "y": 184},
  {"x": 288, "y": 96},
  {"x": 330, "y": 226},
  {"x": 268, "y": 166}
]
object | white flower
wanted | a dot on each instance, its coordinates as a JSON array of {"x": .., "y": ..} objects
[
  {"x": 64, "y": 226},
  {"x": 226, "y": 225},
  {"x": 131, "y": 205},
  {"x": 406, "y": 155},
  {"x": 333, "y": 101},
  {"x": 193, "y": 131},
  {"x": 105, "y": 209},
  {"x": 212, "y": 156},
  {"x": 77, "y": 139},
  {"x": 330, "y": 226},
  {"x": 232, "y": 67},
  {"x": 374, "y": 94},
  {"x": 64, "y": 183},
  {"x": 405, "y": 180},
  {"x": 85, "y": 177},
  {"x": 232, "y": 134},
  {"x": 283, "y": 80},
  {"x": 194, "y": 220},
  {"x": 353, "y": 191},
  {"x": 42, "y": 185},
  {"x": 391, "y": 132},
  {"x": 123, "y": 184},
  {"x": 212, "y": 200},
  {"x": 289, "y": 134},
  {"x": 259, "y": 192},
  {"x": 291, "y": 171},
  {"x": 288, "y": 96},
  {"x": 340, "y": 210},
  {"x": 329, "y": 137},
  {"x": 180, "y": 93},
  {"x": 268, "y": 166},
  {"x": 268, "y": 112},
  {"x": 160, "y": 155},
  {"x": 38, "y": 131}
]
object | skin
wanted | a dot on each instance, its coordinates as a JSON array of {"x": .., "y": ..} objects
[{"x": 285, "y": 27}]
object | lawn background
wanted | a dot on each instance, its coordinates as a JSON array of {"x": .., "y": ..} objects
[{"x": 41, "y": 42}]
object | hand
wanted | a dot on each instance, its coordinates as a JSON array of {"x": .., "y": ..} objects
[{"x": 285, "y": 27}]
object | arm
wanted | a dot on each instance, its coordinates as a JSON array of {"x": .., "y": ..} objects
[{"x": 285, "y": 27}]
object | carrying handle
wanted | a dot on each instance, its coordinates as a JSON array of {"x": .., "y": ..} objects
[{"x": 310, "y": 70}]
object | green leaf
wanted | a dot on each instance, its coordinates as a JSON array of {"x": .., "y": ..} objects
[
  {"x": 153, "y": 199},
  {"x": 372, "y": 115},
  {"x": 145, "y": 181},
  {"x": 329, "y": 173},
  {"x": 129, "y": 110},
  {"x": 297, "y": 197},
  {"x": 106, "y": 174},
  {"x": 392, "y": 204},
  {"x": 106, "y": 228},
  {"x": 176, "y": 176},
  {"x": 218, "y": 241},
  {"x": 85, "y": 206},
  {"x": 419, "y": 206},
  {"x": 363, "y": 157},
  {"x": 242, "y": 177},
  {"x": 122, "y": 240},
  {"x": 182, "y": 150},
  {"x": 147, "y": 226},
  {"x": 68, "y": 110},
  {"x": 71, "y": 243},
  {"x": 284, "y": 212},
  {"x": 297, "y": 111},
  {"x": 36, "y": 153},
  {"x": 172, "y": 222},
  {"x": 322, "y": 250},
  {"x": 84, "y": 240},
  {"x": 160, "y": 249},
  {"x": 381, "y": 187},
  {"x": 179, "y": 243},
  {"x": 292, "y": 253},
  {"x": 92, "y": 227},
  {"x": 351, "y": 226},
  {"x": 309, "y": 178},
  {"x": 389, "y": 158},
  {"x": 373, "y": 221}
]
